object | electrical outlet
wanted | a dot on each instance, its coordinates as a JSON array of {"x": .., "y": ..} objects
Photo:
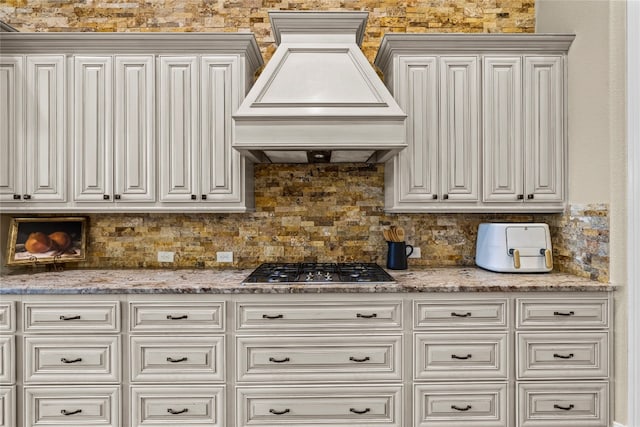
[
  {"x": 416, "y": 253},
  {"x": 224, "y": 256},
  {"x": 165, "y": 256}
]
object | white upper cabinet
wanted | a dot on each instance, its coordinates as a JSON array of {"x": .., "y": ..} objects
[
  {"x": 495, "y": 139},
  {"x": 149, "y": 121},
  {"x": 32, "y": 134}
]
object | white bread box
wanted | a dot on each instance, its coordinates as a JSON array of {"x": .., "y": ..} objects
[{"x": 514, "y": 247}]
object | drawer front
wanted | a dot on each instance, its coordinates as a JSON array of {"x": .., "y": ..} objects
[
  {"x": 177, "y": 358},
  {"x": 170, "y": 406},
  {"x": 8, "y": 406},
  {"x": 460, "y": 314},
  {"x": 188, "y": 316},
  {"x": 454, "y": 405},
  {"x": 460, "y": 356},
  {"x": 319, "y": 315},
  {"x": 71, "y": 359},
  {"x": 7, "y": 360},
  {"x": 583, "y": 404},
  {"x": 7, "y": 317},
  {"x": 319, "y": 406},
  {"x": 69, "y": 318},
  {"x": 560, "y": 355},
  {"x": 72, "y": 406},
  {"x": 562, "y": 313},
  {"x": 319, "y": 358}
]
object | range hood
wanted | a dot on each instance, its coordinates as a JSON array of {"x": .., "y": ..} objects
[{"x": 318, "y": 99}]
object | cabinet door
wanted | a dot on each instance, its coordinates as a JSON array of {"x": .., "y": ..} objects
[
  {"x": 11, "y": 130},
  {"x": 178, "y": 113},
  {"x": 459, "y": 127},
  {"x": 92, "y": 129},
  {"x": 45, "y": 123},
  {"x": 544, "y": 128},
  {"x": 417, "y": 165},
  {"x": 502, "y": 119},
  {"x": 220, "y": 163},
  {"x": 134, "y": 134}
]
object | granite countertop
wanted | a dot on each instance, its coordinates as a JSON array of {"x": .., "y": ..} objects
[{"x": 450, "y": 279}]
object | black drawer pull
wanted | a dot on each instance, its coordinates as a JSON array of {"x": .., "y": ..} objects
[
  {"x": 69, "y": 317},
  {"x": 65, "y": 412},
  {"x": 366, "y": 316},
  {"x": 455, "y": 356},
  {"x": 277, "y": 316},
  {"x": 355, "y": 359},
  {"x": 457, "y": 408},
  {"x": 364, "y": 411},
  {"x": 454, "y": 314},
  {"x": 564, "y": 408},
  {"x": 172, "y": 360},
  {"x": 171, "y": 317},
  {"x": 174, "y": 412},
  {"x": 562, "y": 356},
  {"x": 65, "y": 360},
  {"x": 276, "y": 412},
  {"x": 274, "y": 360},
  {"x": 560, "y": 313}
]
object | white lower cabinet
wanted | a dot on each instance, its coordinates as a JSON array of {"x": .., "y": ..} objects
[
  {"x": 7, "y": 406},
  {"x": 339, "y": 406}
]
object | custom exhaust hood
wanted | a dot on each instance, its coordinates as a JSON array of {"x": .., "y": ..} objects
[{"x": 318, "y": 99}]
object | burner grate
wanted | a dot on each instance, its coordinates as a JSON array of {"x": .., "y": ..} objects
[{"x": 318, "y": 273}]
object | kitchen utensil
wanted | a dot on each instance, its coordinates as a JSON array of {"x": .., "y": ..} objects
[{"x": 397, "y": 255}]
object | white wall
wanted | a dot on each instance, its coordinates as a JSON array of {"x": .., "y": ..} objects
[{"x": 597, "y": 138}]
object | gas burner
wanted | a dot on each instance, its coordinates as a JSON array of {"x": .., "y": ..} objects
[{"x": 318, "y": 273}]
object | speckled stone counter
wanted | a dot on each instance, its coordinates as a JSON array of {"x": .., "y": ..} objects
[{"x": 466, "y": 279}]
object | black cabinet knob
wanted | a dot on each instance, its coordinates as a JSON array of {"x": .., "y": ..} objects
[
  {"x": 17, "y": 197},
  {"x": 445, "y": 196},
  {"x": 204, "y": 197},
  {"x": 193, "y": 197},
  {"x": 116, "y": 196},
  {"x": 27, "y": 197},
  {"x": 529, "y": 196},
  {"x": 105, "y": 197},
  {"x": 520, "y": 196},
  {"x": 434, "y": 197}
]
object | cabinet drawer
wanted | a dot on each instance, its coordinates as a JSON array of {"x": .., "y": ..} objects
[
  {"x": 74, "y": 359},
  {"x": 177, "y": 358},
  {"x": 8, "y": 406},
  {"x": 560, "y": 355},
  {"x": 460, "y": 356},
  {"x": 319, "y": 358},
  {"x": 460, "y": 314},
  {"x": 72, "y": 406},
  {"x": 188, "y": 316},
  {"x": 338, "y": 406},
  {"x": 69, "y": 318},
  {"x": 562, "y": 313},
  {"x": 175, "y": 405},
  {"x": 453, "y": 405},
  {"x": 583, "y": 404},
  {"x": 7, "y": 317},
  {"x": 319, "y": 315},
  {"x": 7, "y": 360}
]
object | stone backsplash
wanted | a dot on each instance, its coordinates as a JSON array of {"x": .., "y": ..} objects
[
  {"x": 412, "y": 16},
  {"x": 328, "y": 213}
]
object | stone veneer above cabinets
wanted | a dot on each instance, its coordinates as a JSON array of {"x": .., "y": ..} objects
[
  {"x": 112, "y": 96},
  {"x": 486, "y": 125}
]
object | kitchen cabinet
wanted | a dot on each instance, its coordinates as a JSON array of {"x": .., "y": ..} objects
[
  {"x": 126, "y": 90},
  {"x": 32, "y": 142},
  {"x": 486, "y": 125}
]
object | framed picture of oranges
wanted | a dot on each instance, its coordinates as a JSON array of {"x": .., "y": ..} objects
[{"x": 47, "y": 240}]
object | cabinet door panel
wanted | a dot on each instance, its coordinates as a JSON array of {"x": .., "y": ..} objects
[
  {"x": 418, "y": 164},
  {"x": 8, "y": 406},
  {"x": 92, "y": 114},
  {"x": 502, "y": 115},
  {"x": 459, "y": 127},
  {"x": 11, "y": 130},
  {"x": 134, "y": 128},
  {"x": 178, "y": 113},
  {"x": 45, "y": 122},
  {"x": 544, "y": 128}
]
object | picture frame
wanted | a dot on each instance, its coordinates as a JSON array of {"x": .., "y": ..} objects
[{"x": 51, "y": 240}]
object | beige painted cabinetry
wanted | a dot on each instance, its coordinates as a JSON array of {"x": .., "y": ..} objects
[
  {"x": 112, "y": 96},
  {"x": 482, "y": 359},
  {"x": 486, "y": 125}
]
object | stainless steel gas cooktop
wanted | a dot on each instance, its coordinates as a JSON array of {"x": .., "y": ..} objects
[{"x": 317, "y": 273}]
